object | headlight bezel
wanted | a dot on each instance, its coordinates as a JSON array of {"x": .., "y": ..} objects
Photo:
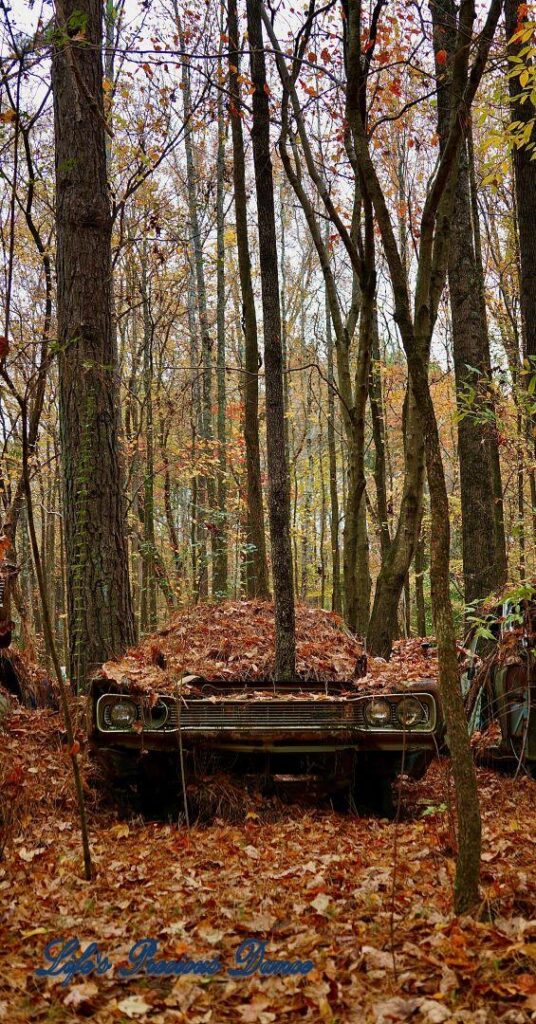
[
  {"x": 419, "y": 709},
  {"x": 126, "y": 724},
  {"x": 149, "y": 712},
  {"x": 392, "y": 725},
  {"x": 374, "y": 722},
  {"x": 153, "y": 716}
]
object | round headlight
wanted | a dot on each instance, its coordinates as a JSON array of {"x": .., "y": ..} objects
[
  {"x": 410, "y": 712},
  {"x": 378, "y": 712},
  {"x": 157, "y": 716},
  {"x": 123, "y": 714}
]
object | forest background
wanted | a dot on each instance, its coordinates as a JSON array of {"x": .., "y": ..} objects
[{"x": 188, "y": 375}]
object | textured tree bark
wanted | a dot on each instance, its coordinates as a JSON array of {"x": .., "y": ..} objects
[
  {"x": 398, "y": 556},
  {"x": 198, "y": 542},
  {"x": 278, "y": 477},
  {"x": 378, "y": 435},
  {"x": 362, "y": 575},
  {"x": 336, "y": 598},
  {"x": 483, "y": 560},
  {"x": 257, "y": 582},
  {"x": 501, "y": 558},
  {"x": 170, "y": 521},
  {"x": 100, "y": 611},
  {"x": 525, "y": 207},
  {"x": 206, "y": 490},
  {"x": 148, "y": 587},
  {"x": 420, "y": 606},
  {"x": 321, "y": 570},
  {"x": 525, "y": 188},
  {"x": 306, "y": 517},
  {"x": 220, "y": 536}
]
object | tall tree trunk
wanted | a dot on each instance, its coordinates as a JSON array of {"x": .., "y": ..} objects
[
  {"x": 336, "y": 598},
  {"x": 197, "y": 530},
  {"x": 416, "y": 321},
  {"x": 419, "y": 585},
  {"x": 170, "y": 518},
  {"x": 100, "y": 611},
  {"x": 206, "y": 484},
  {"x": 284, "y": 314},
  {"x": 363, "y": 580},
  {"x": 321, "y": 569},
  {"x": 378, "y": 435},
  {"x": 307, "y": 555},
  {"x": 483, "y": 564},
  {"x": 220, "y": 546},
  {"x": 354, "y": 393},
  {"x": 398, "y": 556},
  {"x": 525, "y": 188},
  {"x": 492, "y": 441},
  {"x": 148, "y": 594},
  {"x": 278, "y": 477},
  {"x": 523, "y": 110},
  {"x": 257, "y": 566},
  {"x": 520, "y": 531}
]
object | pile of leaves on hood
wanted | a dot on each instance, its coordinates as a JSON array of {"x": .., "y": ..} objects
[
  {"x": 234, "y": 641},
  {"x": 313, "y": 885}
]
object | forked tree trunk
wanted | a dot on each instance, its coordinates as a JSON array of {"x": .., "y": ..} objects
[
  {"x": 278, "y": 477},
  {"x": 100, "y": 611},
  {"x": 416, "y": 327}
]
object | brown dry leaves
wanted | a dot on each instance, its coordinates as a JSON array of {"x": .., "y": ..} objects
[
  {"x": 316, "y": 885},
  {"x": 235, "y": 640}
]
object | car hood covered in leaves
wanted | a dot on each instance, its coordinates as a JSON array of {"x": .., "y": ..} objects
[{"x": 233, "y": 643}]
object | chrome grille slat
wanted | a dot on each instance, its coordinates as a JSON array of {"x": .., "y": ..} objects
[{"x": 272, "y": 714}]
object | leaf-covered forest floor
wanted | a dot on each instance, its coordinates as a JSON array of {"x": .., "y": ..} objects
[{"x": 367, "y": 900}]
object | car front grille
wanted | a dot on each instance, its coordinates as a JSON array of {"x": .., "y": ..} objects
[
  {"x": 259, "y": 715},
  {"x": 210, "y": 716}
]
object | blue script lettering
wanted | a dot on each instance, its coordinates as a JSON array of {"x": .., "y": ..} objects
[
  {"x": 250, "y": 959},
  {"x": 62, "y": 960},
  {"x": 142, "y": 958}
]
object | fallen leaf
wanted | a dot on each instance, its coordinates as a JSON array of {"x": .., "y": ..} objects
[
  {"x": 134, "y": 1006},
  {"x": 321, "y": 902},
  {"x": 80, "y": 996},
  {"x": 252, "y": 852}
]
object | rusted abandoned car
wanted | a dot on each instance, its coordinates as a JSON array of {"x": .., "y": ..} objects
[
  {"x": 350, "y": 741},
  {"x": 499, "y": 683}
]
